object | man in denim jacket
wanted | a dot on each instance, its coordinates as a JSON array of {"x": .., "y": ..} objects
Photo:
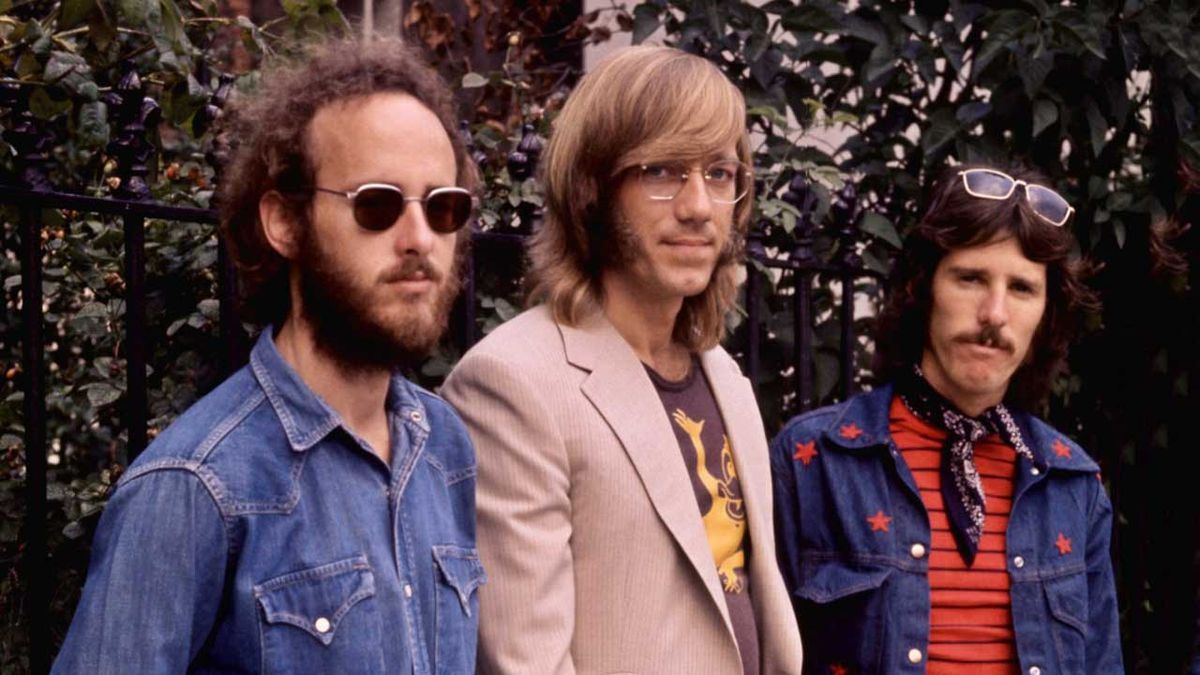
[
  {"x": 932, "y": 525},
  {"x": 315, "y": 512}
]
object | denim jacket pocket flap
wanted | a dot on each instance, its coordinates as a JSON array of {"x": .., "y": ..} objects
[
  {"x": 461, "y": 570},
  {"x": 1067, "y": 597},
  {"x": 828, "y": 580},
  {"x": 316, "y": 599}
]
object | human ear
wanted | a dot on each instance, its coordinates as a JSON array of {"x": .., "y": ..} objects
[{"x": 279, "y": 226}]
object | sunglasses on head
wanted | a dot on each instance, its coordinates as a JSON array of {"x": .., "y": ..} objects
[
  {"x": 991, "y": 184},
  {"x": 377, "y": 206}
]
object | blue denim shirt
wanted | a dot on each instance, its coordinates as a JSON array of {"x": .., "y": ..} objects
[
  {"x": 862, "y": 596},
  {"x": 258, "y": 534}
]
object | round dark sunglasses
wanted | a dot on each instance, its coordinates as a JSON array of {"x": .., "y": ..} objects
[{"x": 377, "y": 206}]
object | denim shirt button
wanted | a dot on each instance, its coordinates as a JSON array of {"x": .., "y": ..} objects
[
  {"x": 1018, "y": 562},
  {"x": 1034, "y": 670},
  {"x": 415, "y": 415},
  {"x": 321, "y": 624},
  {"x": 918, "y": 550},
  {"x": 407, "y": 591},
  {"x": 1035, "y": 471},
  {"x": 914, "y": 655}
]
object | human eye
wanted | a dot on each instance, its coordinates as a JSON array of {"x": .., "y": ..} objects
[
  {"x": 1025, "y": 288},
  {"x": 722, "y": 172},
  {"x": 661, "y": 172}
]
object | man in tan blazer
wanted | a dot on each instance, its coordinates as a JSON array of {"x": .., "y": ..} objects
[{"x": 624, "y": 491}]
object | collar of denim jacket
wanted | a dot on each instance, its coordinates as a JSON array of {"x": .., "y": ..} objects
[
  {"x": 305, "y": 416},
  {"x": 863, "y": 422}
]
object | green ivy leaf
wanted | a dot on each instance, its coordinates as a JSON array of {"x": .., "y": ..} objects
[
  {"x": 1045, "y": 113},
  {"x": 943, "y": 127},
  {"x": 970, "y": 113},
  {"x": 43, "y": 106},
  {"x": 93, "y": 130},
  {"x": 74, "y": 13},
  {"x": 100, "y": 394},
  {"x": 879, "y": 226},
  {"x": 473, "y": 81},
  {"x": 1001, "y": 31},
  {"x": 645, "y": 22}
]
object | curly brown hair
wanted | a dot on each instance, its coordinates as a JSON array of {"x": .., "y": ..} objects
[
  {"x": 269, "y": 131},
  {"x": 956, "y": 220}
]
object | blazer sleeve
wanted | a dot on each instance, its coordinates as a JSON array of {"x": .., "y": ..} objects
[{"x": 527, "y": 608}]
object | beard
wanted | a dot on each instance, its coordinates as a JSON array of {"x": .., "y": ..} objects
[{"x": 349, "y": 327}]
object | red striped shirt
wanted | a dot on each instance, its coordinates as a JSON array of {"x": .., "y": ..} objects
[{"x": 970, "y": 619}]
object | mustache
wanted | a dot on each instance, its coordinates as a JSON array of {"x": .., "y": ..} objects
[
  {"x": 988, "y": 336},
  {"x": 410, "y": 268}
]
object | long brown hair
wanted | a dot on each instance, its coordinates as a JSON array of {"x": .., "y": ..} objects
[
  {"x": 956, "y": 220},
  {"x": 270, "y": 129},
  {"x": 645, "y": 103}
]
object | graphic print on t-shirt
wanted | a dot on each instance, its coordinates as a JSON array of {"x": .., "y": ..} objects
[{"x": 725, "y": 519}]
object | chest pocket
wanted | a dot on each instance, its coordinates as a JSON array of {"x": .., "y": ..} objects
[
  {"x": 459, "y": 574},
  {"x": 321, "y": 619},
  {"x": 841, "y": 609}
]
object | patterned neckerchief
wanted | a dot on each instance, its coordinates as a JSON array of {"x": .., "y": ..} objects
[{"x": 962, "y": 489}]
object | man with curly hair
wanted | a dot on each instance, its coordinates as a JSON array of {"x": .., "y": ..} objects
[
  {"x": 315, "y": 512},
  {"x": 933, "y": 524}
]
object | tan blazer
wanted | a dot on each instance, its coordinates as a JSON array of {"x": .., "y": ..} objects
[{"x": 596, "y": 556}]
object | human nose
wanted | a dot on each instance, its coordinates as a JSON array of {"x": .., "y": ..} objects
[
  {"x": 414, "y": 235},
  {"x": 993, "y": 309},
  {"x": 693, "y": 203}
]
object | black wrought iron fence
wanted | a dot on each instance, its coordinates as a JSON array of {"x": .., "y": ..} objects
[{"x": 32, "y": 192}]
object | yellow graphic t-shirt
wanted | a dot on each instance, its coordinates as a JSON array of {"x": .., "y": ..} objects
[{"x": 709, "y": 459}]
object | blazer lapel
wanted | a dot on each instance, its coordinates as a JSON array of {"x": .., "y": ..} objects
[
  {"x": 743, "y": 426},
  {"x": 625, "y": 397}
]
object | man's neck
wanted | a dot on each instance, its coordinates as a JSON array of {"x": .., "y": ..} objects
[
  {"x": 357, "y": 395},
  {"x": 649, "y": 328}
]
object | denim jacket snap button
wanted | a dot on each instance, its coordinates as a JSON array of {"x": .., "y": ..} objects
[
  {"x": 1034, "y": 670},
  {"x": 322, "y": 625},
  {"x": 407, "y": 591},
  {"x": 1035, "y": 471},
  {"x": 914, "y": 655},
  {"x": 1018, "y": 562},
  {"x": 415, "y": 415},
  {"x": 918, "y": 551}
]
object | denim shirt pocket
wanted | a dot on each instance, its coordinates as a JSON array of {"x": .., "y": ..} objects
[
  {"x": 1066, "y": 597},
  {"x": 321, "y": 619},
  {"x": 841, "y": 608},
  {"x": 459, "y": 573}
]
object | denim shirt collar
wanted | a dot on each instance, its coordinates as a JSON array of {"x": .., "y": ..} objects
[
  {"x": 305, "y": 416},
  {"x": 862, "y": 423}
]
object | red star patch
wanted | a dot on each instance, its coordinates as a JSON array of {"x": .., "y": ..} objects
[
  {"x": 837, "y": 669},
  {"x": 1061, "y": 449},
  {"x": 879, "y": 521},
  {"x": 850, "y": 431},
  {"x": 1063, "y": 544},
  {"x": 805, "y": 452}
]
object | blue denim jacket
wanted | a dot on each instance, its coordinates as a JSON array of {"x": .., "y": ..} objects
[
  {"x": 862, "y": 596},
  {"x": 257, "y": 534}
]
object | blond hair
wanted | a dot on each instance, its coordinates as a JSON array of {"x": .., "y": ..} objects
[{"x": 644, "y": 104}]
